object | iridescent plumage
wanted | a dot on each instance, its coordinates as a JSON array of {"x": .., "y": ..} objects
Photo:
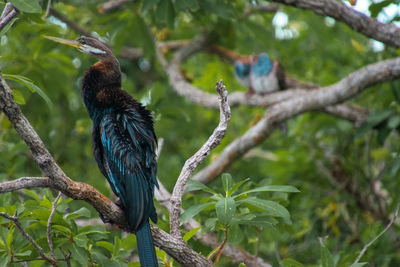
[
  {"x": 262, "y": 75},
  {"x": 124, "y": 142}
]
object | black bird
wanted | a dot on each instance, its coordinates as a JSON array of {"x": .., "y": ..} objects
[{"x": 124, "y": 141}]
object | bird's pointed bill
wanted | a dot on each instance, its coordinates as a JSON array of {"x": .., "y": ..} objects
[{"x": 72, "y": 43}]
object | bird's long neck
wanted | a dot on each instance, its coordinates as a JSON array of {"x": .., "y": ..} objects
[{"x": 99, "y": 81}]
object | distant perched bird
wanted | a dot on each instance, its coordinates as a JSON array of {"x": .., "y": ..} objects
[
  {"x": 124, "y": 141},
  {"x": 242, "y": 69},
  {"x": 260, "y": 74}
]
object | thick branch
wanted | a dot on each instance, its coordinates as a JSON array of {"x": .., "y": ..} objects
[
  {"x": 386, "y": 33},
  {"x": 349, "y": 86},
  {"x": 197, "y": 158}
]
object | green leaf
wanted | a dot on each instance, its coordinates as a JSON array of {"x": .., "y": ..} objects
[
  {"x": 8, "y": 26},
  {"x": 237, "y": 185},
  {"x": 61, "y": 229},
  {"x": 79, "y": 213},
  {"x": 326, "y": 257},
  {"x": 376, "y": 8},
  {"x": 148, "y": 4},
  {"x": 273, "y": 208},
  {"x": 210, "y": 224},
  {"x": 288, "y": 262},
  {"x": 31, "y": 194},
  {"x": 81, "y": 240},
  {"x": 165, "y": 13},
  {"x": 272, "y": 188},
  {"x": 30, "y": 85},
  {"x": 107, "y": 245},
  {"x": 194, "y": 210},
  {"x": 18, "y": 97},
  {"x": 183, "y": 5},
  {"x": 190, "y": 234},
  {"x": 28, "y": 6},
  {"x": 117, "y": 246},
  {"x": 359, "y": 264},
  {"x": 265, "y": 222},
  {"x": 193, "y": 185},
  {"x": 129, "y": 242},
  {"x": 394, "y": 122},
  {"x": 227, "y": 183},
  {"x": 10, "y": 237},
  {"x": 225, "y": 208},
  {"x": 373, "y": 120},
  {"x": 23, "y": 253}
]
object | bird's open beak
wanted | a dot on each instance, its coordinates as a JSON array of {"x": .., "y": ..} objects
[{"x": 72, "y": 43}]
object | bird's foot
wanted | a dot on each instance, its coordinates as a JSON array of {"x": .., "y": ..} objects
[
  {"x": 118, "y": 202},
  {"x": 105, "y": 220}
]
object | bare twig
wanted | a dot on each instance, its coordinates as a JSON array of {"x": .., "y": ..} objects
[
  {"x": 221, "y": 247},
  {"x": 53, "y": 210},
  {"x": 364, "y": 249},
  {"x": 386, "y": 33},
  {"x": 346, "y": 88},
  {"x": 24, "y": 183},
  {"x": 6, "y": 10},
  {"x": 48, "y": 8},
  {"x": 15, "y": 220},
  {"x": 197, "y": 158},
  {"x": 160, "y": 144},
  {"x": 8, "y": 15}
]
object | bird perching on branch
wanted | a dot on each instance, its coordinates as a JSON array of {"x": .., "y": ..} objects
[
  {"x": 124, "y": 141},
  {"x": 260, "y": 74}
]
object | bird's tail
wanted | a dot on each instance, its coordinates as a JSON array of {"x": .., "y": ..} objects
[{"x": 147, "y": 252}]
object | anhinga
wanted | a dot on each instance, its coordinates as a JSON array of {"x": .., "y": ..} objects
[{"x": 124, "y": 141}]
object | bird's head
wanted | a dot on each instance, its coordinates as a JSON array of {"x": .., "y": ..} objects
[
  {"x": 87, "y": 45},
  {"x": 243, "y": 67}
]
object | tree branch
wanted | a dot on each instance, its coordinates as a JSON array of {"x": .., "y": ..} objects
[
  {"x": 364, "y": 249},
  {"x": 182, "y": 87},
  {"x": 9, "y": 12},
  {"x": 386, "y": 33},
  {"x": 53, "y": 211},
  {"x": 197, "y": 158},
  {"x": 15, "y": 220},
  {"x": 349, "y": 86},
  {"x": 111, "y": 213}
]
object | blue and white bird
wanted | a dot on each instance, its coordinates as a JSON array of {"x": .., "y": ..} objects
[{"x": 260, "y": 74}]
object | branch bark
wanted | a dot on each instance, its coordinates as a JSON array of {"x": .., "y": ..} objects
[
  {"x": 348, "y": 87},
  {"x": 386, "y": 33},
  {"x": 9, "y": 12},
  {"x": 191, "y": 164}
]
